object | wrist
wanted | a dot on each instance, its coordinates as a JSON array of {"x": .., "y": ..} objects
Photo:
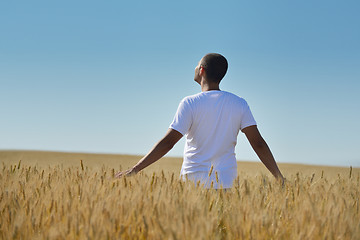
[{"x": 134, "y": 170}]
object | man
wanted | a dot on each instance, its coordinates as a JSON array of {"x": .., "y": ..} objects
[{"x": 211, "y": 121}]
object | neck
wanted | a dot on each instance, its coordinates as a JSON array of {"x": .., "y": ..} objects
[{"x": 209, "y": 86}]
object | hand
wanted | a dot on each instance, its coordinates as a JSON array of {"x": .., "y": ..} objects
[
  {"x": 282, "y": 180},
  {"x": 126, "y": 173}
]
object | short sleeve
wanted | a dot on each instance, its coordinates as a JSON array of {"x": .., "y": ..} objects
[
  {"x": 247, "y": 119},
  {"x": 183, "y": 118}
]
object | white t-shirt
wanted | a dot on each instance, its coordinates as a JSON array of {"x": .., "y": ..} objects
[{"x": 211, "y": 122}]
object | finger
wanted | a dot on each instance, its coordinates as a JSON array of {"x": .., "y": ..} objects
[
  {"x": 119, "y": 174},
  {"x": 129, "y": 173}
]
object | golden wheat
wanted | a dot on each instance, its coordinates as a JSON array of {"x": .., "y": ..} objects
[{"x": 83, "y": 203}]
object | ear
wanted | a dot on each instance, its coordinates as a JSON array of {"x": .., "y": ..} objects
[{"x": 201, "y": 70}]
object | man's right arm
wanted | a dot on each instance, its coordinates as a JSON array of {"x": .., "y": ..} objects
[{"x": 262, "y": 150}]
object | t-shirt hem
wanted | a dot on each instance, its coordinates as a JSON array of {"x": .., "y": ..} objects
[
  {"x": 249, "y": 125},
  {"x": 174, "y": 128},
  {"x": 228, "y": 169}
]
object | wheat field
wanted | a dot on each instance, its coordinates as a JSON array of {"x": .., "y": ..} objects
[{"x": 47, "y": 195}]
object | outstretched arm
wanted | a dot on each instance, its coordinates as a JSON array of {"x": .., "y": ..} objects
[
  {"x": 262, "y": 150},
  {"x": 158, "y": 151}
]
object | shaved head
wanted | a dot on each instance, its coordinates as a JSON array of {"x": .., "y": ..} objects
[{"x": 215, "y": 66}]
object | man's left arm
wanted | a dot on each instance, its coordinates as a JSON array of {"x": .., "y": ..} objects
[{"x": 158, "y": 151}]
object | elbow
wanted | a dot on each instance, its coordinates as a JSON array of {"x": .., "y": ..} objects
[
  {"x": 167, "y": 145},
  {"x": 259, "y": 144}
]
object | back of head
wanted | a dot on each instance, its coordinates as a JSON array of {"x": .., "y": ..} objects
[{"x": 215, "y": 66}]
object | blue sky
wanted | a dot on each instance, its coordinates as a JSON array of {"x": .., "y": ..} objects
[{"x": 107, "y": 77}]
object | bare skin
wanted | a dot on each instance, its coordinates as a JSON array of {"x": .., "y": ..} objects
[
  {"x": 172, "y": 137},
  {"x": 158, "y": 151},
  {"x": 262, "y": 150}
]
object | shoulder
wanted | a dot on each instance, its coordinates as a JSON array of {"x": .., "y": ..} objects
[
  {"x": 192, "y": 98},
  {"x": 235, "y": 98}
]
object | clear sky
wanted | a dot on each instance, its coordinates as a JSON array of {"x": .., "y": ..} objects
[{"x": 107, "y": 76}]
